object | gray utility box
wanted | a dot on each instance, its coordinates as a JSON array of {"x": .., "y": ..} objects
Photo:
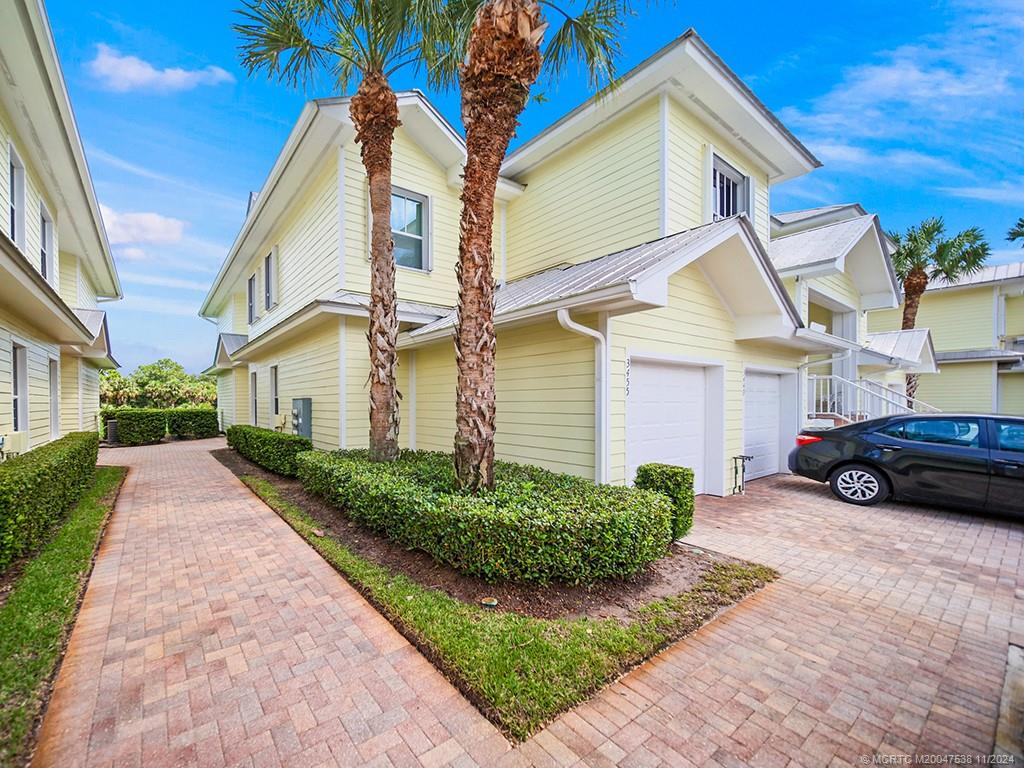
[{"x": 302, "y": 416}]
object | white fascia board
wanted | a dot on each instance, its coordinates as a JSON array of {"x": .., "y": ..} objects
[
  {"x": 825, "y": 268},
  {"x": 814, "y": 340},
  {"x": 885, "y": 300},
  {"x": 505, "y": 191},
  {"x": 761, "y": 327}
]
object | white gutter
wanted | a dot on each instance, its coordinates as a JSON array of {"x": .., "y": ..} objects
[{"x": 600, "y": 391}]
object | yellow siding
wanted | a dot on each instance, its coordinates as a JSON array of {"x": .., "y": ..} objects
[
  {"x": 958, "y": 319},
  {"x": 1014, "y": 316},
  {"x": 545, "y": 398},
  {"x": 1011, "y": 394},
  {"x": 839, "y": 286},
  {"x": 695, "y": 325},
  {"x": 412, "y": 169},
  {"x": 37, "y": 357},
  {"x": 69, "y": 279},
  {"x": 597, "y": 196},
  {"x": 90, "y": 378},
  {"x": 306, "y": 367},
  {"x": 959, "y": 387},
  {"x": 687, "y": 139},
  {"x": 70, "y": 416},
  {"x": 307, "y": 253},
  {"x": 226, "y": 398}
]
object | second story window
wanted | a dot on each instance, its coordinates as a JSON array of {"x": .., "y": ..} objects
[
  {"x": 409, "y": 229},
  {"x": 268, "y": 280},
  {"x": 16, "y": 193},
  {"x": 45, "y": 243},
  {"x": 252, "y": 298},
  {"x": 729, "y": 190}
]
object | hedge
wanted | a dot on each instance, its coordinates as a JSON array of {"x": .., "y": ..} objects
[
  {"x": 677, "y": 484},
  {"x": 38, "y": 487},
  {"x": 536, "y": 526},
  {"x": 193, "y": 423},
  {"x": 272, "y": 450},
  {"x": 140, "y": 426}
]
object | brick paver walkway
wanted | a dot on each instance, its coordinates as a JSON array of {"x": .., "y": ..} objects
[{"x": 211, "y": 635}]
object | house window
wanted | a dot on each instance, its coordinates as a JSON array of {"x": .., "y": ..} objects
[
  {"x": 252, "y": 298},
  {"x": 728, "y": 190},
  {"x": 274, "y": 404},
  {"x": 268, "y": 280},
  {"x": 45, "y": 242},
  {"x": 16, "y": 180},
  {"x": 19, "y": 387},
  {"x": 410, "y": 229},
  {"x": 255, "y": 402}
]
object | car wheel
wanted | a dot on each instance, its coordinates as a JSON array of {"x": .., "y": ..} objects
[{"x": 859, "y": 484}]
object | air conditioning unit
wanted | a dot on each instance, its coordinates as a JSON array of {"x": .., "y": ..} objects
[{"x": 13, "y": 443}]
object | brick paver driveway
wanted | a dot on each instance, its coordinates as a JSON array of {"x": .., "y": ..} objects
[{"x": 211, "y": 635}]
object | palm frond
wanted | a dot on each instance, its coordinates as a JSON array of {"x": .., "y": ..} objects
[
  {"x": 962, "y": 255},
  {"x": 1017, "y": 231},
  {"x": 275, "y": 40},
  {"x": 591, "y": 37}
]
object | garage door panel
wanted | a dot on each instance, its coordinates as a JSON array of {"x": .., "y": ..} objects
[
  {"x": 665, "y": 417},
  {"x": 762, "y": 401}
]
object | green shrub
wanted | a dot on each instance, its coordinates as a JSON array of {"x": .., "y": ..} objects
[
  {"x": 38, "y": 487},
  {"x": 677, "y": 484},
  {"x": 193, "y": 423},
  {"x": 140, "y": 426},
  {"x": 272, "y": 450},
  {"x": 536, "y": 526}
]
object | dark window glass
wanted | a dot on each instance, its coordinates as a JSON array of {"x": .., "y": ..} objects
[
  {"x": 965, "y": 433},
  {"x": 892, "y": 430},
  {"x": 1010, "y": 436}
]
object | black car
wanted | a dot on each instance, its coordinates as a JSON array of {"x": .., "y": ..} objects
[{"x": 962, "y": 460}]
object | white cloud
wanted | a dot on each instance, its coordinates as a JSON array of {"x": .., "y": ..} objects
[
  {"x": 1006, "y": 255},
  {"x": 163, "y": 281},
  {"x": 1004, "y": 193},
  {"x": 131, "y": 253},
  {"x": 142, "y": 227},
  {"x": 121, "y": 73},
  {"x": 156, "y": 305}
]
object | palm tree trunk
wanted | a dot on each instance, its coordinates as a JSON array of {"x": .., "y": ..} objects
[
  {"x": 374, "y": 111},
  {"x": 913, "y": 289},
  {"x": 503, "y": 61}
]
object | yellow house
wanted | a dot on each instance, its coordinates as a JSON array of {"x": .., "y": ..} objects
[
  {"x": 978, "y": 327},
  {"x": 639, "y": 315},
  {"x": 55, "y": 263}
]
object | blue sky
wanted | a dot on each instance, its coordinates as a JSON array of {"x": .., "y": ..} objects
[{"x": 917, "y": 109}]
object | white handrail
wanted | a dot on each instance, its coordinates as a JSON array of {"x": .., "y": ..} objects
[{"x": 835, "y": 397}]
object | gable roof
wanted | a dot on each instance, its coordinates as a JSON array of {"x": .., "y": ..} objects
[
  {"x": 913, "y": 346},
  {"x": 703, "y": 82},
  {"x": 628, "y": 280},
  {"x": 35, "y": 97},
  {"x": 996, "y": 273},
  {"x": 831, "y": 212}
]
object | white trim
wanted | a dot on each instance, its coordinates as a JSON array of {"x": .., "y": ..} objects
[
  {"x": 601, "y": 389},
  {"x": 503, "y": 270},
  {"x": 20, "y": 201},
  {"x": 341, "y": 216},
  {"x": 790, "y": 418},
  {"x": 81, "y": 397},
  {"x": 707, "y": 205},
  {"x": 53, "y": 382},
  {"x": 715, "y": 417},
  {"x": 342, "y": 392},
  {"x": 663, "y": 170},
  {"x": 412, "y": 400},
  {"x": 995, "y": 386},
  {"x": 254, "y": 400},
  {"x": 427, "y": 204},
  {"x": 273, "y": 387},
  {"x": 998, "y": 321}
]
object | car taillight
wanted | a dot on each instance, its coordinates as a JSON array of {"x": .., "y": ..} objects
[{"x": 807, "y": 439}]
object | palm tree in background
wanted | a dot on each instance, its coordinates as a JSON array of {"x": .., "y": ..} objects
[
  {"x": 495, "y": 49},
  {"x": 1017, "y": 231},
  {"x": 924, "y": 254},
  {"x": 364, "y": 40}
]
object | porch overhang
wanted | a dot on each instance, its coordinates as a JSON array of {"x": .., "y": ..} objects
[{"x": 96, "y": 351}]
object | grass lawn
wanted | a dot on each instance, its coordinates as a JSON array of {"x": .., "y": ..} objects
[
  {"x": 522, "y": 671},
  {"x": 37, "y": 617}
]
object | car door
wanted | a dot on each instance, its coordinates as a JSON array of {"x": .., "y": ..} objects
[
  {"x": 944, "y": 460},
  {"x": 1006, "y": 488}
]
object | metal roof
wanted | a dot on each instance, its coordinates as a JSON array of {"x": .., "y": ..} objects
[
  {"x": 819, "y": 245},
  {"x": 906, "y": 345},
  {"x": 791, "y": 217},
  {"x": 996, "y": 273},
  {"x": 91, "y": 319},
  {"x": 232, "y": 342},
  {"x": 571, "y": 280},
  {"x": 352, "y": 299},
  {"x": 978, "y": 354}
]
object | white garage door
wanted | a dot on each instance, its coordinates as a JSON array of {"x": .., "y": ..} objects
[
  {"x": 762, "y": 416},
  {"x": 665, "y": 414}
]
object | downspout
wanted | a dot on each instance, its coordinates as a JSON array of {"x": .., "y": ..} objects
[{"x": 600, "y": 391}]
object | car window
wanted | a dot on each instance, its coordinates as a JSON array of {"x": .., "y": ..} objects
[
  {"x": 961, "y": 432},
  {"x": 892, "y": 430},
  {"x": 1010, "y": 436}
]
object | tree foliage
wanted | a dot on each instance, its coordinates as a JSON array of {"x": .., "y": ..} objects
[
  {"x": 163, "y": 384},
  {"x": 1017, "y": 232}
]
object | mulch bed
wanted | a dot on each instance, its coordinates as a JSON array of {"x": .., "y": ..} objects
[{"x": 616, "y": 598}]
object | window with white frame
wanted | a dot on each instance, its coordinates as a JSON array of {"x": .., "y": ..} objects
[
  {"x": 45, "y": 243},
  {"x": 275, "y": 406},
  {"x": 19, "y": 387},
  {"x": 252, "y": 298},
  {"x": 729, "y": 190},
  {"x": 410, "y": 224},
  {"x": 254, "y": 400},
  {"x": 16, "y": 193},
  {"x": 268, "y": 280}
]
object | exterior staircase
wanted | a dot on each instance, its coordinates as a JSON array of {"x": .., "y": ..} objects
[{"x": 833, "y": 401}]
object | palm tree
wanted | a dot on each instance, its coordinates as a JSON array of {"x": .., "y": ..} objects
[
  {"x": 1017, "y": 231},
  {"x": 496, "y": 49},
  {"x": 924, "y": 255},
  {"x": 368, "y": 40}
]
